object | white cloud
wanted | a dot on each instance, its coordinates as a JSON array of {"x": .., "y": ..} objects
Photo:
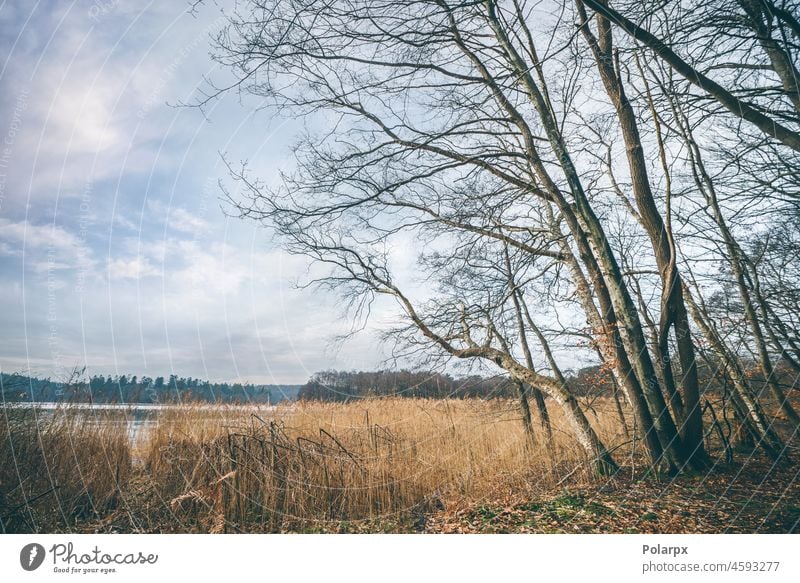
[
  {"x": 125, "y": 223},
  {"x": 183, "y": 220},
  {"x": 48, "y": 266},
  {"x": 44, "y": 247},
  {"x": 196, "y": 273},
  {"x": 134, "y": 268},
  {"x": 178, "y": 218},
  {"x": 84, "y": 80},
  {"x": 36, "y": 236}
]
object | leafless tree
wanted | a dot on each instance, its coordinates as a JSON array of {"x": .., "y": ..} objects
[{"x": 483, "y": 136}]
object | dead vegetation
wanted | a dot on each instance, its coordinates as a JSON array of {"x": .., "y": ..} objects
[
  {"x": 385, "y": 465},
  {"x": 316, "y": 465},
  {"x": 60, "y": 469}
]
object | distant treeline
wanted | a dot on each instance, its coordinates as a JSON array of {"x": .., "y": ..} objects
[
  {"x": 344, "y": 386},
  {"x": 133, "y": 389},
  {"x": 332, "y": 385},
  {"x": 347, "y": 385},
  {"x": 590, "y": 381}
]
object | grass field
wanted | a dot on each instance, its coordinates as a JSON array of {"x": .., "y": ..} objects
[{"x": 388, "y": 465}]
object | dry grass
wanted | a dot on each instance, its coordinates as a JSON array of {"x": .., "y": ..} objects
[
  {"x": 373, "y": 465},
  {"x": 315, "y": 465},
  {"x": 59, "y": 468}
]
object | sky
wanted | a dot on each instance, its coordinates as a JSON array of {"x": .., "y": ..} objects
[{"x": 115, "y": 251}]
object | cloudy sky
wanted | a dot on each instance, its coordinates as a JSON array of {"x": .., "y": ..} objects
[{"x": 114, "y": 251}]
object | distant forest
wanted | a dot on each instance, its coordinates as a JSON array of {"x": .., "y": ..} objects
[
  {"x": 323, "y": 386},
  {"x": 328, "y": 385},
  {"x": 334, "y": 386},
  {"x": 590, "y": 381},
  {"x": 133, "y": 389},
  {"x": 343, "y": 386}
]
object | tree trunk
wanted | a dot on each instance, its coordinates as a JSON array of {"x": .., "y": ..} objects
[
  {"x": 525, "y": 409},
  {"x": 605, "y": 330},
  {"x": 750, "y": 409},
  {"x": 673, "y": 310},
  {"x": 737, "y": 262}
]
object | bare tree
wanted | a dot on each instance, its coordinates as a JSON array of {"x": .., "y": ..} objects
[
  {"x": 742, "y": 37},
  {"x": 462, "y": 130}
]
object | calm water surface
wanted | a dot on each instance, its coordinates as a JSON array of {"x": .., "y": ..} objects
[{"x": 138, "y": 419}]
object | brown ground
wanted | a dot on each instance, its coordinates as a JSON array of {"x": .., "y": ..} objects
[{"x": 736, "y": 499}]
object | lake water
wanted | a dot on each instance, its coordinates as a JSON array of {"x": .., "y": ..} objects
[{"x": 138, "y": 418}]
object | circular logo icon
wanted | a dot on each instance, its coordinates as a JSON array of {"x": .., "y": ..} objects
[{"x": 31, "y": 556}]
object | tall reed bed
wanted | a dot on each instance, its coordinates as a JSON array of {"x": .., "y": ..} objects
[
  {"x": 313, "y": 465},
  {"x": 60, "y": 468},
  {"x": 376, "y": 463}
]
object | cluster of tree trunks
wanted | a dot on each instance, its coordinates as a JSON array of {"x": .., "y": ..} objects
[{"x": 625, "y": 162}]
